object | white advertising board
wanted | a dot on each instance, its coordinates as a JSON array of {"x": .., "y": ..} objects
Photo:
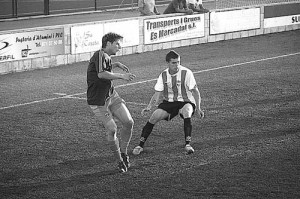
[
  {"x": 129, "y": 30},
  {"x": 33, "y": 44},
  {"x": 236, "y": 20},
  {"x": 86, "y": 38},
  {"x": 173, "y": 28},
  {"x": 281, "y": 21}
]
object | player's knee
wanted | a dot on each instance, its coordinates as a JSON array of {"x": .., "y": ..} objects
[
  {"x": 154, "y": 120},
  {"x": 111, "y": 127},
  {"x": 111, "y": 136},
  {"x": 128, "y": 124},
  {"x": 158, "y": 115},
  {"x": 187, "y": 115},
  {"x": 187, "y": 111}
]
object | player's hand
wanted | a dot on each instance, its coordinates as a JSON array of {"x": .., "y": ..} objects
[
  {"x": 128, "y": 76},
  {"x": 200, "y": 113},
  {"x": 145, "y": 110}
]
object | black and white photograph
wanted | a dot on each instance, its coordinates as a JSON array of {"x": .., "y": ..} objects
[{"x": 149, "y": 99}]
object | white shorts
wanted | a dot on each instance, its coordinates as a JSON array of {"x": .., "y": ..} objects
[{"x": 105, "y": 113}]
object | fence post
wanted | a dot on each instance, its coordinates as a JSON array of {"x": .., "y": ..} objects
[
  {"x": 15, "y": 8},
  {"x": 46, "y": 7},
  {"x": 132, "y": 5}
]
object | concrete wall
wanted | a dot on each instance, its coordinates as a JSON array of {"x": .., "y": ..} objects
[{"x": 68, "y": 58}]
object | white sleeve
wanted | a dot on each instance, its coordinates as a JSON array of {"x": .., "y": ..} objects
[
  {"x": 190, "y": 80},
  {"x": 159, "y": 86}
]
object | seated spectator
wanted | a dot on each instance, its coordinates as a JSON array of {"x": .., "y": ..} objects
[
  {"x": 196, "y": 6},
  {"x": 147, "y": 7},
  {"x": 178, "y": 6}
]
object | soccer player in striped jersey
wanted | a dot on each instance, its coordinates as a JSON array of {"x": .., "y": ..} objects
[
  {"x": 105, "y": 102},
  {"x": 178, "y": 88}
]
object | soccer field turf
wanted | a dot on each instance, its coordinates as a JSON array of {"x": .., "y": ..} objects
[{"x": 247, "y": 146}]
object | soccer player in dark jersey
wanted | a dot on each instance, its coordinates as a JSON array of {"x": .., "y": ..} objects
[
  {"x": 105, "y": 102},
  {"x": 180, "y": 93}
]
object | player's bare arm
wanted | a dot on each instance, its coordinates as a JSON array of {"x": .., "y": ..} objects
[
  {"x": 113, "y": 76},
  {"x": 197, "y": 96},
  {"x": 153, "y": 102},
  {"x": 121, "y": 66},
  {"x": 187, "y": 11}
]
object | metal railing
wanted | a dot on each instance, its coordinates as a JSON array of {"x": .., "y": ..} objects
[
  {"x": 223, "y": 4},
  {"x": 21, "y": 8}
]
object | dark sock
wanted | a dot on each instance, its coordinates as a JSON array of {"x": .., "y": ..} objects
[
  {"x": 145, "y": 133},
  {"x": 187, "y": 127}
]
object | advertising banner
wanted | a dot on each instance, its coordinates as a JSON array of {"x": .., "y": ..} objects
[
  {"x": 236, "y": 20},
  {"x": 173, "y": 28},
  {"x": 86, "y": 38},
  {"x": 129, "y": 30},
  {"x": 281, "y": 15},
  {"x": 281, "y": 21},
  {"x": 29, "y": 45}
]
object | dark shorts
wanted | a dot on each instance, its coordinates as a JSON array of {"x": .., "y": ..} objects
[{"x": 173, "y": 108}]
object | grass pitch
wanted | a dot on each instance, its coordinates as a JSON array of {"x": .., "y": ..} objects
[{"x": 247, "y": 146}]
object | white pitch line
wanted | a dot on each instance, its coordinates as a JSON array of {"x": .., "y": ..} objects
[
  {"x": 61, "y": 94},
  {"x": 29, "y": 103},
  {"x": 82, "y": 98},
  {"x": 71, "y": 97},
  {"x": 249, "y": 62},
  {"x": 120, "y": 86},
  {"x": 150, "y": 80},
  {"x": 139, "y": 104}
]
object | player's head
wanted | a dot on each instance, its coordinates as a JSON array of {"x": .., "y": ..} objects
[
  {"x": 111, "y": 43},
  {"x": 173, "y": 60},
  {"x": 172, "y": 55}
]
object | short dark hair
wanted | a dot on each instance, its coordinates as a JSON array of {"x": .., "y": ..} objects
[
  {"x": 110, "y": 37},
  {"x": 172, "y": 55}
]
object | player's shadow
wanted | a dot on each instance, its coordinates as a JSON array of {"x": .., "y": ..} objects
[{"x": 66, "y": 174}]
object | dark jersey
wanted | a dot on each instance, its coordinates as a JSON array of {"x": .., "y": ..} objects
[
  {"x": 98, "y": 89},
  {"x": 180, "y": 4}
]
